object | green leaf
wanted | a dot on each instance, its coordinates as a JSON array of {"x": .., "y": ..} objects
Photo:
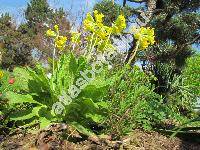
[
  {"x": 93, "y": 92},
  {"x": 81, "y": 63},
  {"x": 21, "y": 72},
  {"x": 89, "y": 103},
  {"x": 44, "y": 122},
  {"x": 103, "y": 104},
  {"x": 22, "y": 76},
  {"x": 64, "y": 77},
  {"x": 26, "y": 114},
  {"x": 82, "y": 129},
  {"x": 45, "y": 117},
  {"x": 15, "y": 98},
  {"x": 95, "y": 117},
  {"x": 73, "y": 66}
]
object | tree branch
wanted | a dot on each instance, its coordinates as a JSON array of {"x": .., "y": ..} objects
[
  {"x": 137, "y": 1},
  {"x": 188, "y": 43},
  {"x": 151, "y": 7},
  {"x": 124, "y": 3},
  {"x": 194, "y": 40}
]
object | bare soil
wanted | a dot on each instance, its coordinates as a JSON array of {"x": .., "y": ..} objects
[{"x": 137, "y": 140}]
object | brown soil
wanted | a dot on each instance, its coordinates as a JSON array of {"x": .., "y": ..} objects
[{"x": 138, "y": 140}]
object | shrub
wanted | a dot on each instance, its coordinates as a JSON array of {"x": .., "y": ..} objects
[
  {"x": 134, "y": 104},
  {"x": 9, "y": 81},
  {"x": 191, "y": 73},
  {"x": 14, "y": 52},
  {"x": 184, "y": 89}
]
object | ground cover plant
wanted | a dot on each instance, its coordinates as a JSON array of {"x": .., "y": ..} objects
[{"x": 94, "y": 89}]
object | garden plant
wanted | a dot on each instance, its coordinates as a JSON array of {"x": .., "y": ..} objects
[{"x": 89, "y": 85}]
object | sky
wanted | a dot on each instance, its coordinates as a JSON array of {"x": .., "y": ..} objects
[{"x": 16, "y": 7}]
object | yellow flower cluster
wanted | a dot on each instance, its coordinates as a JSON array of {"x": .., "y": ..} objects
[
  {"x": 145, "y": 37},
  {"x": 76, "y": 37},
  {"x": 1, "y": 74},
  {"x": 100, "y": 31},
  {"x": 120, "y": 24},
  {"x": 50, "y": 33},
  {"x": 59, "y": 41},
  {"x": 89, "y": 23},
  {"x": 96, "y": 25},
  {"x": 98, "y": 18}
]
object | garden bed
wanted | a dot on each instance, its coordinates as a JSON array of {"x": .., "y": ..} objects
[{"x": 137, "y": 140}]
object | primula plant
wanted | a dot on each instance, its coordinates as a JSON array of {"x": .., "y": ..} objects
[
  {"x": 45, "y": 88},
  {"x": 60, "y": 94}
]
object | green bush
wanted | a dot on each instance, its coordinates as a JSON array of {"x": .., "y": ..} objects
[
  {"x": 184, "y": 88},
  {"x": 16, "y": 49},
  {"x": 10, "y": 81},
  {"x": 191, "y": 73},
  {"x": 134, "y": 104}
]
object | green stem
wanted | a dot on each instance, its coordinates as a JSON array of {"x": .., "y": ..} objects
[
  {"x": 90, "y": 52},
  {"x": 127, "y": 66},
  {"x": 135, "y": 52},
  {"x": 73, "y": 47},
  {"x": 54, "y": 53},
  {"x": 89, "y": 45}
]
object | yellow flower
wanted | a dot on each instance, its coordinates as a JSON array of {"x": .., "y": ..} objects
[
  {"x": 98, "y": 17},
  {"x": 56, "y": 27},
  {"x": 145, "y": 37},
  {"x": 1, "y": 74},
  {"x": 75, "y": 37},
  {"x": 50, "y": 33},
  {"x": 103, "y": 32},
  {"x": 89, "y": 23},
  {"x": 60, "y": 42},
  {"x": 100, "y": 33},
  {"x": 119, "y": 25},
  {"x": 144, "y": 44}
]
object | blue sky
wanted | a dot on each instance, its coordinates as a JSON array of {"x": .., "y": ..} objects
[{"x": 17, "y": 7}]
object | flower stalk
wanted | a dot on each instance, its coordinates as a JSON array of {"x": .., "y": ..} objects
[{"x": 134, "y": 53}]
